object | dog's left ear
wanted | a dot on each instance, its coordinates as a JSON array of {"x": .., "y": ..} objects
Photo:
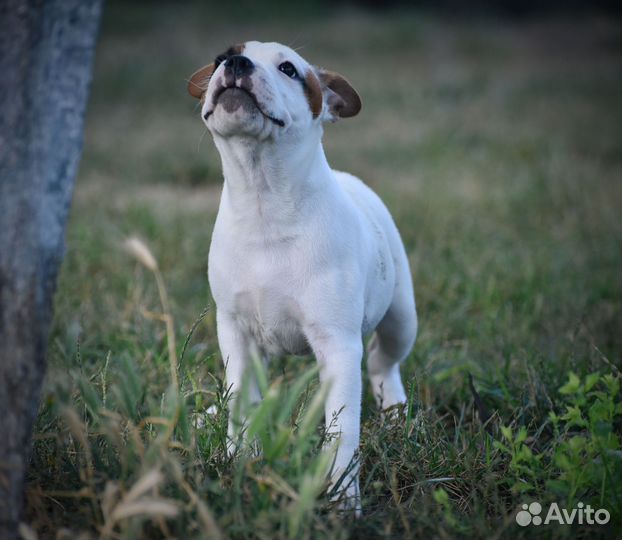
[
  {"x": 197, "y": 85},
  {"x": 330, "y": 95},
  {"x": 342, "y": 101}
]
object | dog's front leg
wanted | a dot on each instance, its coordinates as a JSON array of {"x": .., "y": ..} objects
[
  {"x": 241, "y": 381},
  {"x": 339, "y": 360}
]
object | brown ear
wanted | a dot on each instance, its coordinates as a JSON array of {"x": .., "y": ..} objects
[
  {"x": 346, "y": 102},
  {"x": 313, "y": 91},
  {"x": 197, "y": 85}
]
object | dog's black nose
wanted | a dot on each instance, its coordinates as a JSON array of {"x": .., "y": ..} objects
[{"x": 239, "y": 65}]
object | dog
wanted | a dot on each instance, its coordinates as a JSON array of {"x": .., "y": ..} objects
[{"x": 303, "y": 258}]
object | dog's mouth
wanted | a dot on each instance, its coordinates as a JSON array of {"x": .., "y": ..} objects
[{"x": 246, "y": 93}]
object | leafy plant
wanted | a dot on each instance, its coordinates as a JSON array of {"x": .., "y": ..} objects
[
  {"x": 582, "y": 460},
  {"x": 587, "y": 459}
]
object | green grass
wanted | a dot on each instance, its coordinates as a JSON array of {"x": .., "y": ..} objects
[{"x": 497, "y": 147}]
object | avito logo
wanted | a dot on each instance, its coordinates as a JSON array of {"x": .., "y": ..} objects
[{"x": 582, "y": 514}]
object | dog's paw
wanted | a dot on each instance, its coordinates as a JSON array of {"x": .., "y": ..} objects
[
  {"x": 394, "y": 413},
  {"x": 212, "y": 410},
  {"x": 347, "y": 501},
  {"x": 349, "y": 506}
]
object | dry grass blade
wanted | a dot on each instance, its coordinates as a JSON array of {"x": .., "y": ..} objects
[
  {"x": 139, "y": 250},
  {"x": 207, "y": 520},
  {"x": 151, "y": 506},
  {"x": 211, "y": 531},
  {"x": 76, "y": 427},
  {"x": 134, "y": 503},
  {"x": 80, "y": 432},
  {"x": 26, "y": 532},
  {"x": 146, "y": 483},
  {"x": 111, "y": 492}
]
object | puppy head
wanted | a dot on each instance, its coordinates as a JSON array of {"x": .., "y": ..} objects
[{"x": 267, "y": 90}]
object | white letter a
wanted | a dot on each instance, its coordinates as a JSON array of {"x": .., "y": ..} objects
[{"x": 554, "y": 515}]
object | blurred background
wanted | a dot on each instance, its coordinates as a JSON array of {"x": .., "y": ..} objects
[{"x": 492, "y": 130}]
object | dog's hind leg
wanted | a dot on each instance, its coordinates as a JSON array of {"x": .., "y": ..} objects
[{"x": 392, "y": 341}]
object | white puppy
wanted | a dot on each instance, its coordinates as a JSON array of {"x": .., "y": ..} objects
[{"x": 303, "y": 258}]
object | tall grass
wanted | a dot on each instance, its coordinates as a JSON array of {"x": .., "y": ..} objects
[
  {"x": 145, "y": 467},
  {"x": 116, "y": 459}
]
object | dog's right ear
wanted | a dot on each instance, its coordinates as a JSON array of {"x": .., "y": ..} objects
[{"x": 197, "y": 85}]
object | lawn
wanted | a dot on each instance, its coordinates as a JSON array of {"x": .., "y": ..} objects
[{"x": 496, "y": 144}]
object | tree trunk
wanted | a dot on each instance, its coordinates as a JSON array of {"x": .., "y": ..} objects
[{"x": 46, "y": 49}]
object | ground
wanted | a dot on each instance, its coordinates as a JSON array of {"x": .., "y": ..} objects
[{"x": 496, "y": 144}]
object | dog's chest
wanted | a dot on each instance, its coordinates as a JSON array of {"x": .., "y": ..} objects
[
  {"x": 261, "y": 294},
  {"x": 273, "y": 320}
]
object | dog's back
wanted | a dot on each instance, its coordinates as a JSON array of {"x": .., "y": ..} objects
[{"x": 395, "y": 334}]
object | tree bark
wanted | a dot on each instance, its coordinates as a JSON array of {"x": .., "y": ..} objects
[{"x": 46, "y": 51}]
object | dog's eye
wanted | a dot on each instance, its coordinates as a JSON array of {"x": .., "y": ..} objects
[
  {"x": 219, "y": 60},
  {"x": 288, "y": 69}
]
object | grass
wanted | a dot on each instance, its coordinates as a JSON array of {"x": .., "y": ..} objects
[{"x": 497, "y": 146}]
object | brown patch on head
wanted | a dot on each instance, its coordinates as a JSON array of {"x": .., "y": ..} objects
[
  {"x": 313, "y": 91},
  {"x": 235, "y": 49},
  {"x": 197, "y": 85},
  {"x": 345, "y": 102}
]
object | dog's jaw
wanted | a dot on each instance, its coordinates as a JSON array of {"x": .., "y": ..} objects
[
  {"x": 234, "y": 97},
  {"x": 244, "y": 107}
]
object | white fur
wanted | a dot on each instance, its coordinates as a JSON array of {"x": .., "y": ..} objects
[{"x": 303, "y": 257}]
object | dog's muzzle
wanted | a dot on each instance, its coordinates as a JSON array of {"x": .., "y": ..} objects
[{"x": 238, "y": 85}]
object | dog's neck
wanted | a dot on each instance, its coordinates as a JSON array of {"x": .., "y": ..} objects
[{"x": 269, "y": 183}]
